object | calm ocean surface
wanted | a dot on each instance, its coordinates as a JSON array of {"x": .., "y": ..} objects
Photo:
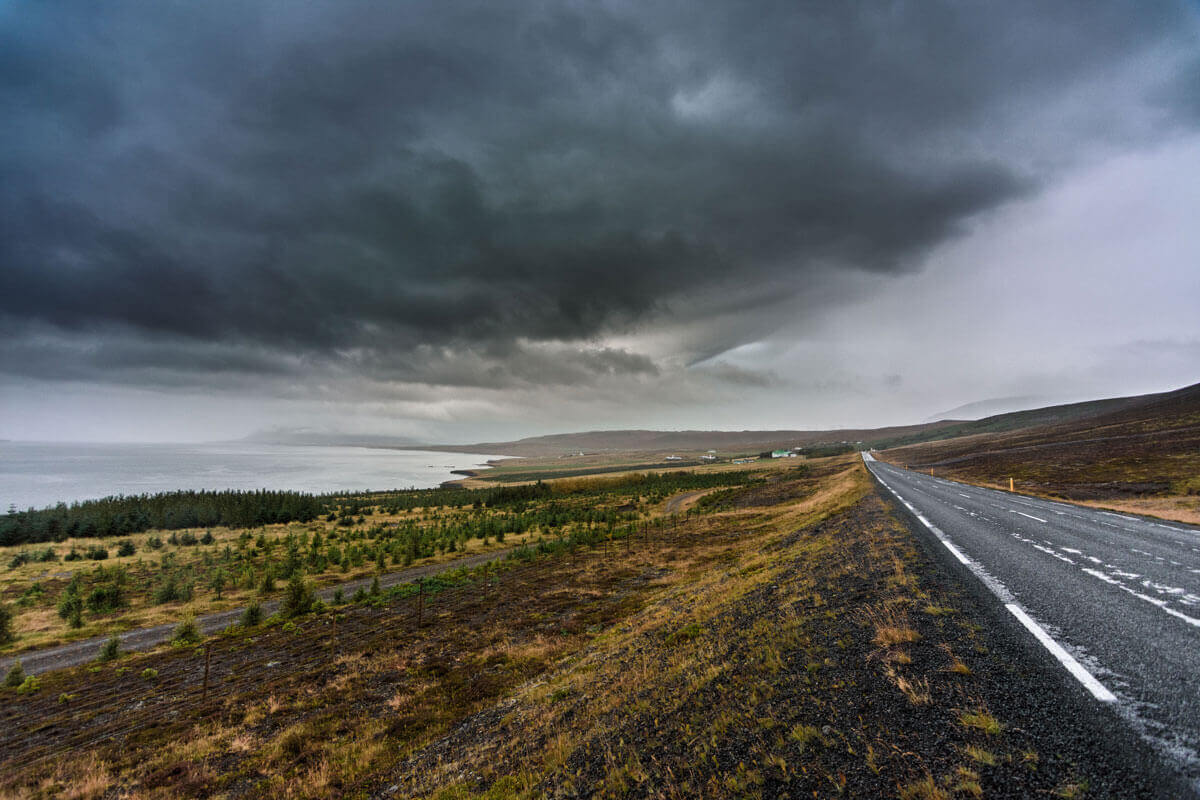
[{"x": 36, "y": 474}]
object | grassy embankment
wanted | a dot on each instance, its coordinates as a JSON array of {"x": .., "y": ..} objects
[{"x": 778, "y": 640}]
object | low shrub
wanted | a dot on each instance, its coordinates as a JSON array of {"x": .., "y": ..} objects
[
  {"x": 29, "y": 686},
  {"x": 105, "y": 598},
  {"x": 126, "y": 548},
  {"x": 687, "y": 633},
  {"x": 70, "y": 604},
  {"x": 187, "y": 632},
  {"x": 298, "y": 597},
  {"x": 110, "y": 650},
  {"x": 7, "y": 634},
  {"x": 32, "y": 596},
  {"x": 173, "y": 589},
  {"x": 252, "y": 615},
  {"x": 15, "y": 676}
]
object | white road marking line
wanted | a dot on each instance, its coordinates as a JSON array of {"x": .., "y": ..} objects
[
  {"x": 1173, "y": 528},
  {"x": 1001, "y": 591},
  {"x": 1154, "y": 601},
  {"x": 960, "y": 494},
  {"x": 1023, "y": 514},
  {"x": 1098, "y": 690}
]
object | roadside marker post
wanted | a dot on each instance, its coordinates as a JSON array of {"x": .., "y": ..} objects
[{"x": 1010, "y": 485}]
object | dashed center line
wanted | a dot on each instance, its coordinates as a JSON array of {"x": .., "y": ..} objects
[{"x": 1023, "y": 514}]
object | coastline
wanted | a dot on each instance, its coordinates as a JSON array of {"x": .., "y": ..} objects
[
  {"x": 41, "y": 475},
  {"x": 477, "y": 473}
]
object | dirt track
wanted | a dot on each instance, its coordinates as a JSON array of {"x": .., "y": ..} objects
[{"x": 676, "y": 504}]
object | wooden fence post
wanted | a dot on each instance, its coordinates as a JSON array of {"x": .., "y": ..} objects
[
  {"x": 420, "y": 600},
  {"x": 207, "y": 661}
]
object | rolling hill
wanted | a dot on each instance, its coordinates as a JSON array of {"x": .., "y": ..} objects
[
  {"x": 1145, "y": 448},
  {"x": 1079, "y": 414}
]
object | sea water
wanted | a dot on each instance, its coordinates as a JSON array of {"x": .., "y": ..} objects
[{"x": 39, "y": 474}]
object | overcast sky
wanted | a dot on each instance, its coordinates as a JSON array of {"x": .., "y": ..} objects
[{"x": 463, "y": 221}]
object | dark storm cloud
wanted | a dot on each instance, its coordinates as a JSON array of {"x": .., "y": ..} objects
[{"x": 431, "y": 192}]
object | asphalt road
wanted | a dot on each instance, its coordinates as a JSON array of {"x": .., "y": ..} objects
[{"x": 1119, "y": 594}]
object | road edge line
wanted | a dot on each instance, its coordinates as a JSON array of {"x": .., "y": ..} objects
[
  {"x": 1001, "y": 593},
  {"x": 1098, "y": 689}
]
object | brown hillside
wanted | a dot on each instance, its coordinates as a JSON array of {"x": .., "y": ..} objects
[{"x": 1147, "y": 452}]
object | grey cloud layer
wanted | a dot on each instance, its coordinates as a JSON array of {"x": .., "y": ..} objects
[{"x": 471, "y": 194}]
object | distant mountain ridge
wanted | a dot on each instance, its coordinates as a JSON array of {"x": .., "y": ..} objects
[
  {"x": 308, "y": 436},
  {"x": 991, "y": 408},
  {"x": 879, "y": 438}
]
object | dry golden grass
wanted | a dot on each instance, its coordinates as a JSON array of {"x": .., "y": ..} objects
[
  {"x": 924, "y": 789},
  {"x": 980, "y": 755},
  {"x": 891, "y": 626},
  {"x": 84, "y": 778},
  {"x": 915, "y": 689},
  {"x": 243, "y": 742},
  {"x": 981, "y": 720}
]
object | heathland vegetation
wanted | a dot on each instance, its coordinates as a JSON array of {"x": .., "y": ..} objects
[
  {"x": 786, "y": 637},
  {"x": 125, "y": 562}
]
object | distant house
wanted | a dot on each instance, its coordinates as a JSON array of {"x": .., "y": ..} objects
[
  {"x": 708, "y": 458},
  {"x": 674, "y": 458},
  {"x": 782, "y": 454}
]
